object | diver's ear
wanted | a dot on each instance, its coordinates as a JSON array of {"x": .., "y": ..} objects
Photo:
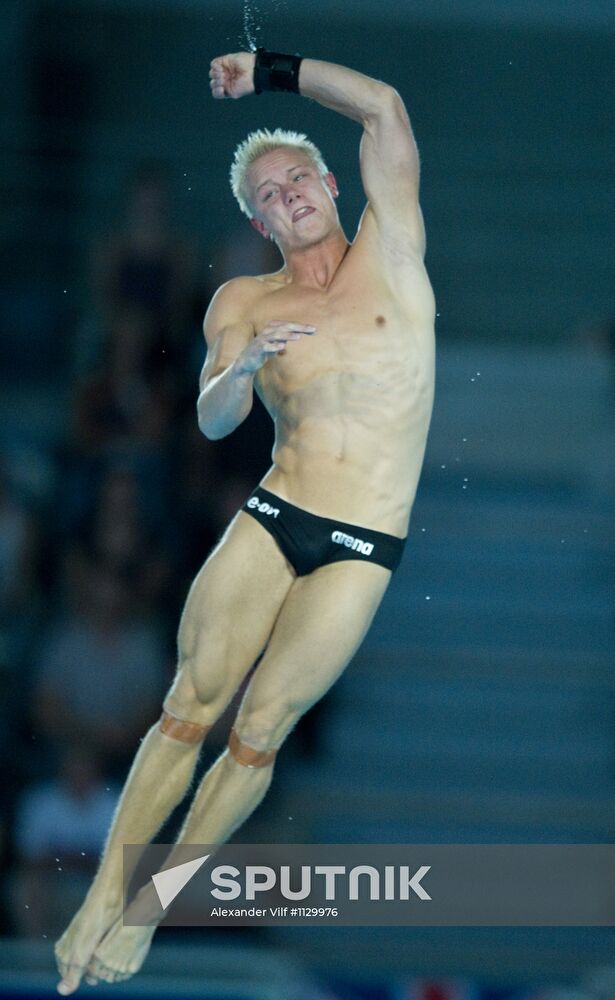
[
  {"x": 260, "y": 228},
  {"x": 331, "y": 183}
]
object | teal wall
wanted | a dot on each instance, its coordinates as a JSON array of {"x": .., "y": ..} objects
[{"x": 511, "y": 124}]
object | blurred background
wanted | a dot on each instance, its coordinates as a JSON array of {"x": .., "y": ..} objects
[{"x": 481, "y": 707}]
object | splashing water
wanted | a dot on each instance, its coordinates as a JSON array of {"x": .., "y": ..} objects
[
  {"x": 253, "y": 20},
  {"x": 250, "y": 24}
]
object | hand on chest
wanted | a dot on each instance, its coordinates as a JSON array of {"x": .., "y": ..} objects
[{"x": 351, "y": 326}]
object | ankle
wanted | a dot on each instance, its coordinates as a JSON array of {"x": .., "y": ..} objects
[{"x": 105, "y": 893}]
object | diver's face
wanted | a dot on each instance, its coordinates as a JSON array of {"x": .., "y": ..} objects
[{"x": 290, "y": 199}]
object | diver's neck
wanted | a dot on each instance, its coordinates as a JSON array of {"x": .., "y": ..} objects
[{"x": 316, "y": 266}]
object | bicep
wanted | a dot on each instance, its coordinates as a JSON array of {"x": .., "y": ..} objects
[
  {"x": 390, "y": 172},
  {"x": 226, "y": 331}
]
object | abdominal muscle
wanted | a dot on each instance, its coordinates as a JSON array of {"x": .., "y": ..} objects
[{"x": 351, "y": 447}]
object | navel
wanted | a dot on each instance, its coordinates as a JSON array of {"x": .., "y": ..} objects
[{"x": 380, "y": 320}]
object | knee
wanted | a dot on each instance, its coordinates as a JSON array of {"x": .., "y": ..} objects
[
  {"x": 248, "y": 755},
  {"x": 185, "y": 716},
  {"x": 263, "y": 731},
  {"x": 201, "y": 683},
  {"x": 205, "y": 660},
  {"x": 183, "y": 730}
]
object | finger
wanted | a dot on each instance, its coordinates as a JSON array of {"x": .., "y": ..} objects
[
  {"x": 217, "y": 81},
  {"x": 295, "y": 327},
  {"x": 290, "y": 324}
]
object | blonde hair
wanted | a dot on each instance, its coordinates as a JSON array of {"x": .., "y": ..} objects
[{"x": 264, "y": 141}]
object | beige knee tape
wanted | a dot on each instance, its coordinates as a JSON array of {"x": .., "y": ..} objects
[
  {"x": 248, "y": 756},
  {"x": 180, "y": 729}
]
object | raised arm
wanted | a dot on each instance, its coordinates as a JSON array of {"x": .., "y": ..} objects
[{"x": 388, "y": 153}]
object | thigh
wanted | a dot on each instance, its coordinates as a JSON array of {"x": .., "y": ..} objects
[
  {"x": 228, "y": 617},
  {"x": 321, "y": 624}
]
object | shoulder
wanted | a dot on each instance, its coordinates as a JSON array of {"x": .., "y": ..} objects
[
  {"x": 236, "y": 294},
  {"x": 231, "y": 307}
]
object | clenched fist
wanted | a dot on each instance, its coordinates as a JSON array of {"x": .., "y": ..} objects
[{"x": 232, "y": 75}]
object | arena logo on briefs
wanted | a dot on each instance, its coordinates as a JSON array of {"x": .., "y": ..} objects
[
  {"x": 264, "y": 507},
  {"x": 357, "y": 544}
]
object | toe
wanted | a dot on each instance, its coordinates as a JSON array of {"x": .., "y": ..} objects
[
  {"x": 99, "y": 970},
  {"x": 70, "y": 980},
  {"x": 95, "y": 970},
  {"x": 121, "y": 977}
]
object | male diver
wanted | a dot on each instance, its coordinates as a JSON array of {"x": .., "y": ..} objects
[{"x": 339, "y": 345}]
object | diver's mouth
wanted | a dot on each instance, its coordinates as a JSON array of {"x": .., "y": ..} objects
[{"x": 302, "y": 212}]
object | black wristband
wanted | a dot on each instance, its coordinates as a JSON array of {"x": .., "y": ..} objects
[{"x": 276, "y": 71}]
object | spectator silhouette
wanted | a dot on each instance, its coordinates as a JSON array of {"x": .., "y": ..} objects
[
  {"x": 60, "y": 827},
  {"x": 147, "y": 263},
  {"x": 100, "y": 671}
]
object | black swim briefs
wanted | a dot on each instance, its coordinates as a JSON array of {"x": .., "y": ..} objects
[{"x": 309, "y": 541}]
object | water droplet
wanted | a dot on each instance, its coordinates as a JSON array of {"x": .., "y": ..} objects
[
  {"x": 443, "y": 467},
  {"x": 45, "y": 936},
  {"x": 27, "y": 907},
  {"x": 465, "y": 479},
  {"x": 290, "y": 817},
  {"x": 464, "y": 439},
  {"x": 83, "y": 854},
  {"x": 59, "y": 869},
  {"x": 423, "y": 529},
  {"x": 57, "y": 859},
  {"x": 428, "y": 598}
]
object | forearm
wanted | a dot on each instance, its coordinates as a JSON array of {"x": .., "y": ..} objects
[
  {"x": 344, "y": 90},
  {"x": 157, "y": 782},
  {"x": 225, "y": 402}
]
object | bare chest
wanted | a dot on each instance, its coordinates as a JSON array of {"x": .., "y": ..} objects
[{"x": 364, "y": 333}]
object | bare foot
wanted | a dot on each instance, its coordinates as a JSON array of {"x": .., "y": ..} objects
[
  {"x": 120, "y": 954},
  {"x": 78, "y": 943}
]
